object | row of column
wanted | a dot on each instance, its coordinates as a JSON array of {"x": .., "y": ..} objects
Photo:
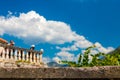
[{"x": 16, "y": 54}]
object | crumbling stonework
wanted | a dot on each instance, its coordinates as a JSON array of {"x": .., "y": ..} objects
[
  {"x": 7, "y": 64},
  {"x": 88, "y": 72}
]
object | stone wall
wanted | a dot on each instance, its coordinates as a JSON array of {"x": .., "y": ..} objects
[{"x": 91, "y": 72}]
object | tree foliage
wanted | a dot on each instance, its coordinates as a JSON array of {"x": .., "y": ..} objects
[{"x": 99, "y": 59}]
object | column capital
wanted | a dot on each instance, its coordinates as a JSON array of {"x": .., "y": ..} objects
[{"x": 41, "y": 51}]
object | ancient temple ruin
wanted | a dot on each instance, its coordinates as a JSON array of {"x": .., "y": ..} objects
[{"x": 16, "y": 55}]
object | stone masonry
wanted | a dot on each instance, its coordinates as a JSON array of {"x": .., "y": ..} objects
[{"x": 86, "y": 72}]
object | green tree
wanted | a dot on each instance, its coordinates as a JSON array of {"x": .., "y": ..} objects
[
  {"x": 70, "y": 63},
  {"x": 85, "y": 61},
  {"x": 98, "y": 59}
]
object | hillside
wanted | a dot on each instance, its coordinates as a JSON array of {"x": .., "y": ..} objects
[{"x": 116, "y": 51}]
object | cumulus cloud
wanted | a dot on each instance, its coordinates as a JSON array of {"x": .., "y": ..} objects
[
  {"x": 80, "y": 42},
  {"x": 65, "y": 56},
  {"x": 70, "y": 48},
  {"x": 56, "y": 59},
  {"x": 46, "y": 59},
  {"x": 103, "y": 49},
  {"x": 32, "y": 27}
]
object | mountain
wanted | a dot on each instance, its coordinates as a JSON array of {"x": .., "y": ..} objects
[
  {"x": 116, "y": 51},
  {"x": 55, "y": 64}
]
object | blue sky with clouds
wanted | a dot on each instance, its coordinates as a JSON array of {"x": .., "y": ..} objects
[{"x": 63, "y": 28}]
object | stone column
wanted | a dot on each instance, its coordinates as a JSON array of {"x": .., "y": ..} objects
[
  {"x": 19, "y": 55},
  {"x": 3, "y": 54},
  {"x": 41, "y": 52},
  {"x": 7, "y": 53},
  {"x": 40, "y": 58},
  {"x": 34, "y": 57},
  {"x": 11, "y": 54},
  {"x": 27, "y": 56},
  {"x": 30, "y": 56},
  {"x": 23, "y": 55},
  {"x": 15, "y": 55}
]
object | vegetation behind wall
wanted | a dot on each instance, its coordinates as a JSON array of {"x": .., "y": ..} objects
[{"x": 99, "y": 59}]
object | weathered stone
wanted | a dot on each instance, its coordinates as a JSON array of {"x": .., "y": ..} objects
[
  {"x": 86, "y": 72},
  {"x": 1, "y": 64},
  {"x": 8, "y": 64}
]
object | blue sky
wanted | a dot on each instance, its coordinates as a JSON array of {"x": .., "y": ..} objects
[{"x": 63, "y": 28}]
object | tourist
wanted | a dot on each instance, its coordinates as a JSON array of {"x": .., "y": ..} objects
[
  {"x": 12, "y": 43},
  {"x": 32, "y": 47}
]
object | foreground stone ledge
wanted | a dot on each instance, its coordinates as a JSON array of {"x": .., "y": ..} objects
[{"x": 88, "y": 72}]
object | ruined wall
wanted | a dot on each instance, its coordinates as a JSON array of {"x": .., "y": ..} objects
[{"x": 93, "y": 72}]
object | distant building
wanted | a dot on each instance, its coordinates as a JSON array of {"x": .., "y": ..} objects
[{"x": 3, "y": 41}]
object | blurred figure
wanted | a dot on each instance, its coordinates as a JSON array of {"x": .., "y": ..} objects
[
  {"x": 12, "y": 43},
  {"x": 32, "y": 47}
]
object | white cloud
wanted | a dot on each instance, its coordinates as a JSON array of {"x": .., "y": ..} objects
[
  {"x": 103, "y": 49},
  {"x": 70, "y": 48},
  {"x": 46, "y": 59},
  {"x": 57, "y": 59},
  {"x": 80, "y": 42},
  {"x": 65, "y": 56},
  {"x": 32, "y": 27}
]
